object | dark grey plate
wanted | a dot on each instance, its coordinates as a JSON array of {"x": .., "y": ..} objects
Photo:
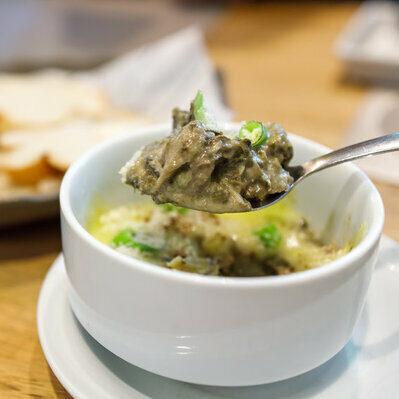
[{"x": 28, "y": 209}]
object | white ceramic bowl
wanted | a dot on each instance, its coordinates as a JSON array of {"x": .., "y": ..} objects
[{"x": 216, "y": 330}]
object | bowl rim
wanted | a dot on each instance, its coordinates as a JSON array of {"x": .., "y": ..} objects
[{"x": 307, "y": 276}]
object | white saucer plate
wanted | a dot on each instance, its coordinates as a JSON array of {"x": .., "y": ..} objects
[{"x": 367, "y": 368}]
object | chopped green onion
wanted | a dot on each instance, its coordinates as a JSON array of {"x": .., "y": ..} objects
[
  {"x": 143, "y": 247},
  {"x": 269, "y": 235},
  {"x": 126, "y": 238},
  {"x": 167, "y": 207},
  {"x": 255, "y": 132},
  {"x": 203, "y": 113},
  {"x": 170, "y": 208}
]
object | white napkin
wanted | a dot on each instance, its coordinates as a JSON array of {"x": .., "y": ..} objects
[
  {"x": 378, "y": 115},
  {"x": 159, "y": 76}
]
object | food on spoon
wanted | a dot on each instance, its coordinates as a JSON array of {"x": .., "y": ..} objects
[
  {"x": 276, "y": 240},
  {"x": 198, "y": 167}
]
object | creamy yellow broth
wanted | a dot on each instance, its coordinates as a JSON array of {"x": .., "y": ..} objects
[{"x": 216, "y": 244}]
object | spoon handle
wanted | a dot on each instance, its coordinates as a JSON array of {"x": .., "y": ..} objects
[{"x": 379, "y": 145}]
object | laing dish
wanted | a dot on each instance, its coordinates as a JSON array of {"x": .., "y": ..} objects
[
  {"x": 200, "y": 167},
  {"x": 273, "y": 241}
]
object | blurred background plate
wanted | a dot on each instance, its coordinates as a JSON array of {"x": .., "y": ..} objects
[{"x": 28, "y": 208}]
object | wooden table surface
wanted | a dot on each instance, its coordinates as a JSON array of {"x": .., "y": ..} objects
[{"x": 278, "y": 64}]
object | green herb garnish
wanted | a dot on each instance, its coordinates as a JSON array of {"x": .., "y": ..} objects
[
  {"x": 126, "y": 238},
  {"x": 255, "y": 132},
  {"x": 170, "y": 208},
  {"x": 269, "y": 235},
  {"x": 203, "y": 113}
]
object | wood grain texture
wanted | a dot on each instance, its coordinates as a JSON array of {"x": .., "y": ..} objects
[
  {"x": 24, "y": 372},
  {"x": 278, "y": 64}
]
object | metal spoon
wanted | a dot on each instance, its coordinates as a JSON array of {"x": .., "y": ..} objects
[{"x": 379, "y": 145}]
